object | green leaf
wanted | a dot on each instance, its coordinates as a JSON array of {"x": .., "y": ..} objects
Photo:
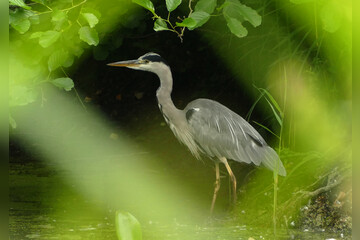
[
  {"x": 48, "y": 38},
  {"x": 127, "y": 227},
  {"x": 21, "y": 25},
  {"x": 241, "y": 12},
  {"x": 145, "y": 4},
  {"x": 89, "y": 35},
  {"x": 91, "y": 19},
  {"x": 58, "y": 16},
  {"x": 69, "y": 61},
  {"x": 160, "y": 25},
  {"x": 273, "y": 104},
  {"x": 43, "y": 2},
  {"x": 187, "y": 22},
  {"x": 275, "y": 113},
  {"x": 272, "y": 99},
  {"x": 57, "y": 59},
  {"x": 64, "y": 83},
  {"x": 19, "y": 20},
  {"x": 171, "y": 5},
  {"x": 76, "y": 50},
  {"x": 19, "y": 14},
  {"x": 301, "y": 1},
  {"x": 36, "y": 35},
  {"x": 19, "y": 3},
  {"x": 91, "y": 10},
  {"x": 200, "y": 19},
  {"x": 35, "y": 19},
  {"x": 236, "y": 27},
  {"x": 207, "y": 6}
]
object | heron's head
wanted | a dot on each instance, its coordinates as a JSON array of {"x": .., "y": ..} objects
[{"x": 151, "y": 62}]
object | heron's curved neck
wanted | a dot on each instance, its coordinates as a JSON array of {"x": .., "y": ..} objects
[{"x": 163, "y": 93}]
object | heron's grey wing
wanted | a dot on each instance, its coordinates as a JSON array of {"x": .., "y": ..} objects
[{"x": 220, "y": 132}]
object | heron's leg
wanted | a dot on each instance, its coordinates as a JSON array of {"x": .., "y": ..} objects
[
  {"x": 217, "y": 186},
  {"x": 232, "y": 177}
]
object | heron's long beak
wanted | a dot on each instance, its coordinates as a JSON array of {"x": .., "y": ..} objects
[{"x": 128, "y": 63}]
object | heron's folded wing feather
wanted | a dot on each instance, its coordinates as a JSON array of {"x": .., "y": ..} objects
[{"x": 222, "y": 133}]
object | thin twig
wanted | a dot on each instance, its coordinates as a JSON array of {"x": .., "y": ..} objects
[
  {"x": 331, "y": 183},
  {"x": 65, "y": 9},
  {"x": 183, "y": 29},
  {"x": 76, "y": 92}
]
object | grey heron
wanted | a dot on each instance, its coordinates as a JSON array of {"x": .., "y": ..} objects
[{"x": 206, "y": 127}]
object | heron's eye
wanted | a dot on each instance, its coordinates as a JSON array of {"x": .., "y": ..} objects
[{"x": 146, "y": 61}]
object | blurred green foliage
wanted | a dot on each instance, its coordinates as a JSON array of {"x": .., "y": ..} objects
[
  {"x": 47, "y": 38},
  {"x": 299, "y": 55},
  {"x": 47, "y": 30},
  {"x": 127, "y": 226}
]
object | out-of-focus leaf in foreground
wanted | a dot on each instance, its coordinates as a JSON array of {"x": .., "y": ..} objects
[{"x": 127, "y": 227}]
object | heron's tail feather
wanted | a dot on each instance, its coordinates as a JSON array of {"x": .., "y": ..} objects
[{"x": 272, "y": 161}]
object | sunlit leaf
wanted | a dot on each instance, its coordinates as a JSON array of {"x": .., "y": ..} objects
[
  {"x": 36, "y": 35},
  {"x": 69, "y": 61},
  {"x": 57, "y": 59},
  {"x": 236, "y": 27},
  {"x": 19, "y": 3},
  {"x": 19, "y": 20},
  {"x": 22, "y": 25},
  {"x": 200, "y": 19},
  {"x": 195, "y": 20},
  {"x": 91, "y": 19},
  {"x": 207, "y": 6},
  {"x": 35, "y": 19},
  {"x": 160, "y": 25},
  {"x": 58, "y": 15},
  {"x": 187, "y": 22},
  {"x": 48, "y": 38},
  {"x": 19, "y": 13},
  {"x": 171, "y": 5},
  {"x": 59, "y": 18},
  {"x": 301, "y": 1},
  {"x": 64, "y": 83},
  {"x": 241, "y": 12},
  {"x": 39, "y": 1},
  {"x": 91, "y": 10},
  {"x": 127, "y": 227},
  {"x": 89, "y": 35},
  {"x": 145, "y": 4}
]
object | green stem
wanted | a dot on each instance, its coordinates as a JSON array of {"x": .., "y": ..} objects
[
  {"x": 183, "y": 29},
  {"x": 76, "y": 92},
  {"x": 65, "y": 9},
  {"x": 78, "y": 96}
]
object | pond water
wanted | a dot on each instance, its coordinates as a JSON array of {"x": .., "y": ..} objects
[{"x": 44, "y": 206}]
